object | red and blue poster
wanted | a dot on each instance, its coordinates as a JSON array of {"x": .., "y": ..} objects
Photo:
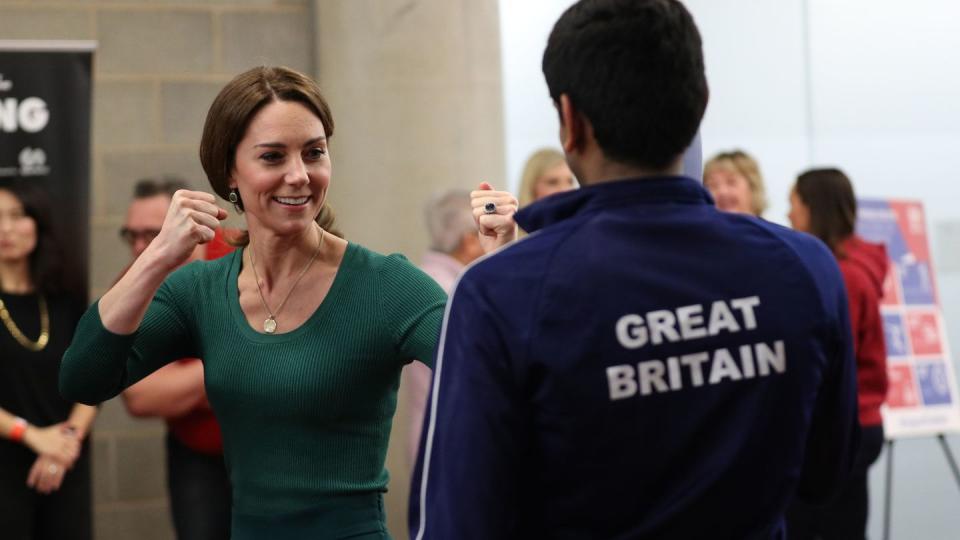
[{"x": 922, "y": 399}]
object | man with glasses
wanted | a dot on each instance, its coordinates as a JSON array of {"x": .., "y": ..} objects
[{"x": 197, "y": 479}]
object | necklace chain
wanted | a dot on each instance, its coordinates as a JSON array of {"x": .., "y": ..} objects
[
  {"x": 270, "y": 323},
  {"x": 25, "y": 342}
]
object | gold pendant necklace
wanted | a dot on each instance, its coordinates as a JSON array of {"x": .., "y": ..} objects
[
  {"x": 270, "y": 323},
  {"x": 41, "y": 342}
]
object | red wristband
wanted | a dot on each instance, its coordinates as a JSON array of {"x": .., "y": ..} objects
[{"x": 18, "y": 429}]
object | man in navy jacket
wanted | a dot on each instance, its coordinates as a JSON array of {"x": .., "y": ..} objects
[{"x": 642, "y": 365}]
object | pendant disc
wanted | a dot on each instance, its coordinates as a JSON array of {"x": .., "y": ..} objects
[{"x": 270, "y": 325}]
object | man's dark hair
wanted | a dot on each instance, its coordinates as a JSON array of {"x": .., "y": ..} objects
[
  {"x": 151, "y": 187},
  {"x": 828, "y": 194},
  {"x": 634, "y": 69}
]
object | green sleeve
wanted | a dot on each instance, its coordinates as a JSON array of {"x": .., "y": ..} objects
[
  {"x": 99, "y": 364},
  {"x": 413, "y": 306}
]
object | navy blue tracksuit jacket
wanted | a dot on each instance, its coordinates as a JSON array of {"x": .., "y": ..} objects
[{"x": 643, "y": 366}]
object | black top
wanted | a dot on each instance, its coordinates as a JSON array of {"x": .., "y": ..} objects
[{"x": 28, "y": 379}]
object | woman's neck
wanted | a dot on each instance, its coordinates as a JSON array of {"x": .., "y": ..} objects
[
  {"x": 279, "y": 258},
  {"x": 15, "y": 277}
]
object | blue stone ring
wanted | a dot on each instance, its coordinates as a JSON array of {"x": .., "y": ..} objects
[{"x": 490, "y": 208}]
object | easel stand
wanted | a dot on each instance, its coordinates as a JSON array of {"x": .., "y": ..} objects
[{"x": 888, "y": 495}]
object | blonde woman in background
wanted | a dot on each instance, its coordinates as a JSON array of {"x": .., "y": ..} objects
[
  {"x": 735, "y": 182},
  {"x": 545, "y": 173}
]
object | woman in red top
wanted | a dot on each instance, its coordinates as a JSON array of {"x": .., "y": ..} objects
[{"x": 822, "y": 203}]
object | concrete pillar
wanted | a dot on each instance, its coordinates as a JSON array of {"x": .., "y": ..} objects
[
  {"x": 415, "y": 89},
  {"x": 417, "y": 101}
]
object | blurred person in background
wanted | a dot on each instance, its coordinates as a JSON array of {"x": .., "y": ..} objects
[
  {"x": 823, "y": 204},
  {"x": 45, "y": 489},
  {"x": 453, "y": 245},
  {"x": 197, "y": 479},
  {"x": 734, "y": 180},
  {"x": 545, "y": 173}
]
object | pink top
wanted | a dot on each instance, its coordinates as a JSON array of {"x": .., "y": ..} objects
[{"x": 445, "y": 270}]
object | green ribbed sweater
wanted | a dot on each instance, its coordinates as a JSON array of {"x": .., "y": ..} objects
[{"x": 305, "y": 415}]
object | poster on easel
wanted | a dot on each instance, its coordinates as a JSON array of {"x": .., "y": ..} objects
[
  {"x": 45, "y": 109},
  {"x": 922, "y": 399}
]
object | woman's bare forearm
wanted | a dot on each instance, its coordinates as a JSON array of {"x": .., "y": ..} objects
[
  {"x": 191, "y": 220},
  {"x": 81, "y": 419},
  {"x": 122, "y": 308},
  {"x": 170, "y": 392}
]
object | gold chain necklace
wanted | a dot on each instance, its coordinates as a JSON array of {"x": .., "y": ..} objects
[
  {"x": 41, "y": 342},
  {"x": 270, "y": 323}
]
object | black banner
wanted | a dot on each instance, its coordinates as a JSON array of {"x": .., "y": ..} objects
[{"x": 45, "y": 102}]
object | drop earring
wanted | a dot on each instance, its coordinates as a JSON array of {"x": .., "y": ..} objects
[{"x": 234, "y": 198}]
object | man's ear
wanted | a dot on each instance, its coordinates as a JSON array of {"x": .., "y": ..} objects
[{"x": 572, "y": 126}]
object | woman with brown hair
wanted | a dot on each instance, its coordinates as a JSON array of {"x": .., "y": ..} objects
[
  {"x": 822, "y": 203},
  {"x": 44, "y": 456},
  {"x": 303, "y": 335},
  {"x": 734, "y": 180}
]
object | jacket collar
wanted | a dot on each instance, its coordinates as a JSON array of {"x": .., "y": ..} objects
[{"x": 646, "y": 190}]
